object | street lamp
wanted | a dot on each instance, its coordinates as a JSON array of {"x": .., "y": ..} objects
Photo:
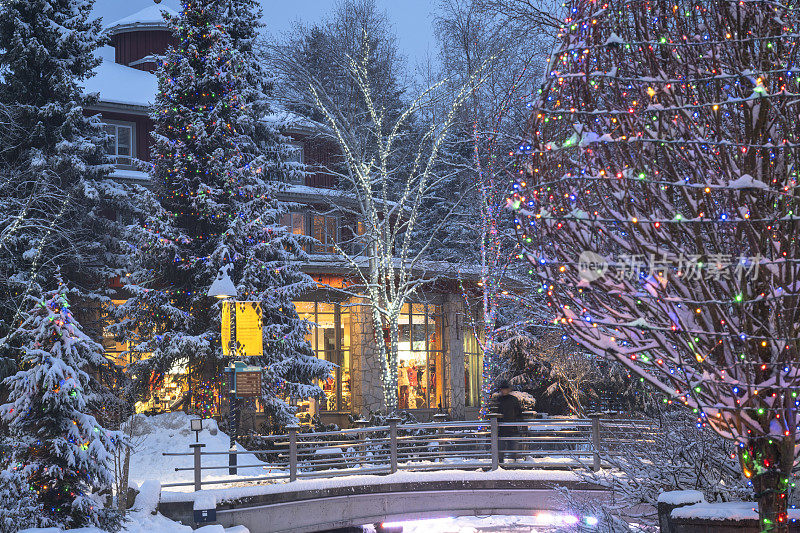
[
  {"x": 222, "y": 288},
  {"x": 196, "y": 425}
]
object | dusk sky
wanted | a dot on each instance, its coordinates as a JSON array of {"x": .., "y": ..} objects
[{"x": 412, "y": 18}]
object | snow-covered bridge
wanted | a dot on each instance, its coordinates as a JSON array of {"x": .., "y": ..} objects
[
  {"x": 321, "y": 504},
  {"x": 314, "y": 481}
]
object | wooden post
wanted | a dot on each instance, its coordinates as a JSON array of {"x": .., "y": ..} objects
[
  {"x": 198, "y": 471},
  {"x": 494, "y": 419},
  {"x": 440, "y": 418},
  {"x": 392, "y": 421},
  {"x": 595, "y": 417},
  {"x": 292, "y": 452},
  {"x": 362, "y": 435}
]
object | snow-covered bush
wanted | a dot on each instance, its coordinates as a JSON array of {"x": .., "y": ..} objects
[{"x": 678, "y": 456}]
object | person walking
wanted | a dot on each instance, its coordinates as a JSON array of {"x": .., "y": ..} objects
[{"x": 511, "y": 410}]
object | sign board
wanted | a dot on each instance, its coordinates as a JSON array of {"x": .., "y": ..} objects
[
  {"x": 227, "y": 381},
  {"x": 249, "y": 326},
  {"x": 204, "y": 516},
  {"x": 248, "y": 384},
  {"x": 242, "y": 379}
]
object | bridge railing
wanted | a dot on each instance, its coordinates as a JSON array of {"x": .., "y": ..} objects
[{"x": 541, "y": 443}]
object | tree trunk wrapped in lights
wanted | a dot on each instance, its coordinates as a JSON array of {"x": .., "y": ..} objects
[{"x": 656, "y": 201}]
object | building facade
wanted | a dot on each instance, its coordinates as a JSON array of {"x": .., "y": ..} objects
[{"x": 440, "y": 364}]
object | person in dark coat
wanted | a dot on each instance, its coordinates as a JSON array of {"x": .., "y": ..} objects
[{"x": 511, "y": 410}]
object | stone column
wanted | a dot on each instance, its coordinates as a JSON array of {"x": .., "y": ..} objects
[
  {"x": 454, "y": 354},
  {"x": 365, "y": 367}
]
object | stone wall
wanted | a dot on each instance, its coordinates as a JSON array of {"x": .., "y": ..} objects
[
  {"x": 454, "y": 355},
  {"x": 365, "y": 366}
]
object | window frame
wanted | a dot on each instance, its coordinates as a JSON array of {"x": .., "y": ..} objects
[
  {"x": 297, "y": 147},
  {"x": 473, "y": 367},
  {"x": 327, "y": 246},
  {"x": 117, "y": 124}
]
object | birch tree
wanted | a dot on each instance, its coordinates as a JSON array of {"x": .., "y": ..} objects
[
  {"x": 488, "y": 128},
  {"x": 659, "y": 211},
  {"x": 390, "y": 183}
]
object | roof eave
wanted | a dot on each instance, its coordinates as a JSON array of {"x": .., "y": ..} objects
[
  {"x": 136, "y": 26},
  {"x": 115, "y": 107}
]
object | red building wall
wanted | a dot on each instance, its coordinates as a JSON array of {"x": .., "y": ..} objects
[
  {"x": 135, "y": 45},
  {"x": 319, "y": 153}
]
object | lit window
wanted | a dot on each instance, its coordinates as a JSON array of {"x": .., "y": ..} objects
[
  {"x": 120, "y": 143},
  {"x": 326, "y": 231},
  {"x": 329, "y": 337},
  {"x": 473, "y": 369},
  {"x": 420, "y": 357},
  {"x": 296, "y": 223}
]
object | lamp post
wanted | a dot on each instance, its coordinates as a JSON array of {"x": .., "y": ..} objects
[{"x": 222, "y": 288}]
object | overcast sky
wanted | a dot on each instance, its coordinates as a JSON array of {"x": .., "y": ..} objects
[{"x": 412, "y": 18}]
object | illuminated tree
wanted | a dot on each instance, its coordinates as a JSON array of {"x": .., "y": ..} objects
[
  {"x": 218, "y": 165},
  {"x": 657, "y": 203},
  {"x": 60, "y": 451},
  {"x": 486, "y": 128}
]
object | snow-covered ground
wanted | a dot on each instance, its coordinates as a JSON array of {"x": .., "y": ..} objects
[
  {"x": 169, "y": 432},
  {"x": 154, "y": 435}
]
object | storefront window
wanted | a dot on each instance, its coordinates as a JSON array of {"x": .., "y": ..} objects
[
  {"x": 329, "y": 337},
  {"x": 473, "y": 369},
  {"x": 420, "y": 357}
]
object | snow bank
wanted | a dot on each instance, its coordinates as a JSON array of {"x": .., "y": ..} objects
[
  {"x": 303, "y": 485},
  {"x": 147, "y": 499},
  {"x": 681, "y": 497},
  {"x": 169, "y": 432},
  {"x": 724, "y": 511}
]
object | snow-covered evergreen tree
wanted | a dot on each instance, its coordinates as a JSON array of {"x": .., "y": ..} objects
[
  {"x": 59, "y": 448},
  {"x": 218, "y": 166},
  {"x": 46, "y": 50},
  {"x": 60, "y": 209},
  {"x": 19, "y": 507}
]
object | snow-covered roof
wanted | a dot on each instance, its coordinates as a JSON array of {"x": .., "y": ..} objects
[
  {"x": 119, "y": 84},
  {"x": 132, "y": 175},
  {"x": 149, "y": 18},
  {"x": 286, "y": 119}
]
